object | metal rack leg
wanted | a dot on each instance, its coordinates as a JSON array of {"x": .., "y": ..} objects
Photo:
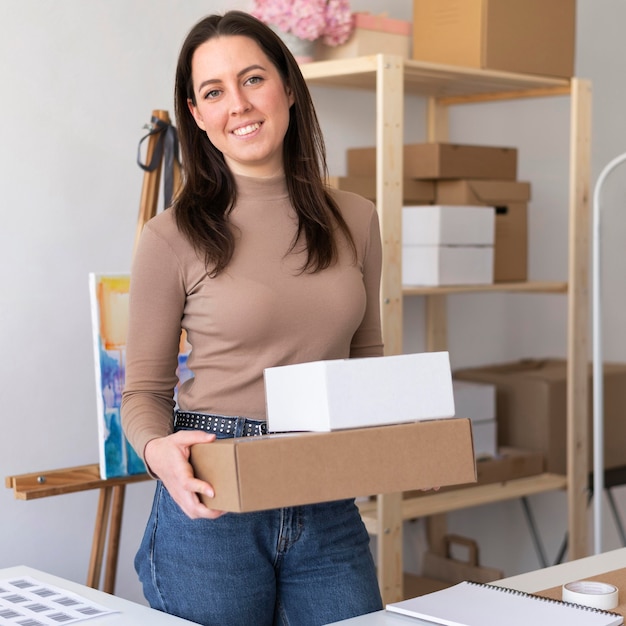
[{"x": 534, "y": 532}]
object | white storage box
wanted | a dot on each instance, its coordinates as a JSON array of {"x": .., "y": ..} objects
[
  {"x": 485, "y": 436},
  {"x": 477, "y": 401},
  {"x": 352, "y": 393},
  {"x": 437, "y": 224},
  {"x": 474, "y": 400},
  {"x": 447, "y": 265}
]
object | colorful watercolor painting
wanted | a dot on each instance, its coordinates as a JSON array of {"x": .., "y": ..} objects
[{"x": 109, "y": 317}]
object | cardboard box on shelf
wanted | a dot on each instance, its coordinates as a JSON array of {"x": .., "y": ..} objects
[
  {"x": 508, "y": 464},
  {"x": 442, "y": 160},
  {"x": 351, "y": 393},
  {"x": 413, "y": 191},
  {"x": 531, "y": 408},
  {"x": 430, "y": 266},
  {"x": 435, "y": 224},
  {"x": 525, "y": 36},
  {"x": 291, "y": 469},
  {"x": 373, "y": 34},
  {"x": 481, "y": 192},
  {"x": 510, "y": 199}
]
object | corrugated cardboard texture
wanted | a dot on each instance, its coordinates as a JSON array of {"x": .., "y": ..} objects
[
  {"x": 531, "y": 408},
  {"x": 255, "y": 473},
  {"x": 525, "y": 36},
  {"x": 442, "y": 160}
]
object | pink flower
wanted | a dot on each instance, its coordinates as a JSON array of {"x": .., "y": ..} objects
[{"x": 331, "y": 20}]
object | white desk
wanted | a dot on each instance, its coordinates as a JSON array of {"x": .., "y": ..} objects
[
  {"x": 530, "y": 582},
  {"x": 131, "y": 613}
]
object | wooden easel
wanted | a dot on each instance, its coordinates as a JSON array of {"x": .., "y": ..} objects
[{"x": 86, "y": 477}]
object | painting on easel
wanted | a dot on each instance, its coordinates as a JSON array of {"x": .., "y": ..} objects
[{"x": 109, "y": 316}]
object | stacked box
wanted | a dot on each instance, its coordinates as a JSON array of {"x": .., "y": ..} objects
[
  {"x": 393, "y": 429},
  {"x": 413, "y": 191},
  {"x": 510, "y": 199},
  {"x": 531, "y": 402},
  {"x": 442, "y": 161},
  {"x": 477, "y": 401},
  {"x": 447, "y": 245}
]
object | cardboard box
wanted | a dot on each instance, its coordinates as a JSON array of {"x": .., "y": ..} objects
[
  {"x": 442, "y": 160},
  {"x": 435, "y": 224},
  {"x": 525, "y": 36},
  {"x": 373, "y": 34},
  {"x": 510, "y": 199},
  {"x": 507, "y": 464},
  {"x": 429, "y": 266},
  {"x": 531, "y": 408},
  {"x": 255, "y": 473},
  {"x": 351, "y": 393},
  {"x": 481, "y": 192},
  {"x": 413, "y": 191}
]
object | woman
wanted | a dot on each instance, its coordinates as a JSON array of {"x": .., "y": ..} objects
[{"x": 262, "y": 266}]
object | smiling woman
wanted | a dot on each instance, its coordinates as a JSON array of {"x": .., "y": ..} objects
[
  {"x": 242, "y": 104},
  {"x": 262, "y": 265}
]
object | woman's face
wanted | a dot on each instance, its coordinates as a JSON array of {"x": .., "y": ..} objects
[{"x": 241, "y": 104}]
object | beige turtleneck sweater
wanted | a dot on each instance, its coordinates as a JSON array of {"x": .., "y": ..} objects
[{"x": 260, "y": 312}]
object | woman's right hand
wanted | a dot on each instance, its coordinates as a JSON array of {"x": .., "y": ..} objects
[{"x": 168, "y": 458}]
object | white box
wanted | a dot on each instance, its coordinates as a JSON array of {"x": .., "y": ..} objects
[
  {"x": 436, "y": 224},
  {"x": 485, "y": 436},
  {"x": 447, "y": 265},
  {"x": 477, "y": 401},
  {"x": 352, "y": 393}
]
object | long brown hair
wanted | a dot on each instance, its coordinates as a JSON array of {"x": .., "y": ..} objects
[{"x": 209, "y": 191}]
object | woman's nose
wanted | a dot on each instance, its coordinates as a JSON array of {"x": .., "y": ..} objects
[{"x": 239, "y": 104}]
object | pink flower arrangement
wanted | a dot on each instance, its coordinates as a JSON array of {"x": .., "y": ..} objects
[{"x": 330, "y": 20}]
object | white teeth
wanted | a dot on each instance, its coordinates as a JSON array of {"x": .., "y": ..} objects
[{"x": 245, "y": 130}]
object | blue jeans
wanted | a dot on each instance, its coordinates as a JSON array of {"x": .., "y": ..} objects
[{"x": 299, "y": 566}]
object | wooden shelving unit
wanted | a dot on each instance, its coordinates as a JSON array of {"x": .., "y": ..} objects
[{"x": 391, "y": 78}]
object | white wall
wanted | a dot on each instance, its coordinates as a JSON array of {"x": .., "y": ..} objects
[{"x": 79, "y": 81}]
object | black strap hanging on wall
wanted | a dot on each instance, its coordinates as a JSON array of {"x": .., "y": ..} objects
[{"x": 166, "y": 148}]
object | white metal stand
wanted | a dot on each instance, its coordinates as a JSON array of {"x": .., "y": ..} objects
[{"x": 598, "y": 373}]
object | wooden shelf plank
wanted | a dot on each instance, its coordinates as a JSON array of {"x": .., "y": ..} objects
[
  {"x": 434, "y": 503},
  {"x": 521, "y": 287},
  {"x": 69, "y": 480},
  {"x": 434, "y": 79}
]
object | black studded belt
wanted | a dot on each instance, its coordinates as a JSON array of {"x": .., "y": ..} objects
[{"x": 221, "y": 425}]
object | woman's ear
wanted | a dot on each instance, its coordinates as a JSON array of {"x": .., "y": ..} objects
[{"x": 196, "y": 114}]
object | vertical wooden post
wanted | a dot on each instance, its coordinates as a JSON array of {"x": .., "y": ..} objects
[
  {"x": 389, "y": 195},
  {"x": 578, "y": 319}
]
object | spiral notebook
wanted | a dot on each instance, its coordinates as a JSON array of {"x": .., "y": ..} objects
[{"x": 479, "y": 604}]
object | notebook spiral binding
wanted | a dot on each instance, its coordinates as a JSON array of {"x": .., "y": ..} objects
[{"x": 534, "y": 596}]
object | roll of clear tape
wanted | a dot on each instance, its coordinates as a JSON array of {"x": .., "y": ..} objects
[{"x": 591, "y": 593}]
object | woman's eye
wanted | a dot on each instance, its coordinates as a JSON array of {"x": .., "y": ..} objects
[
  {"x": 213, "y": 93},
  {"x": 254, "y": 80}
]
